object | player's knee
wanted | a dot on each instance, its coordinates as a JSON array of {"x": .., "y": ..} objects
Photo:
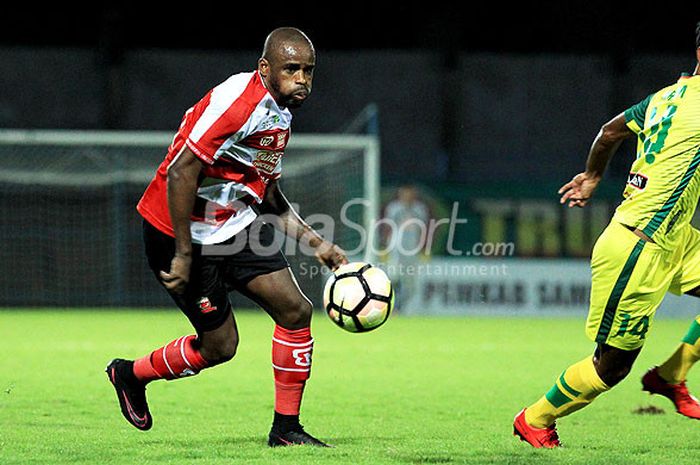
[
  {"x": 612, "y": 375},
  {"x": 227, "y": 350},
  {"x": 219, "y": 351},
  {"x": 296, "y": 315},
  {"x": 612, "y": 364}
]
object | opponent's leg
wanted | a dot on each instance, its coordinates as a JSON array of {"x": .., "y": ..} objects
[
  {"x": 279, "y": 295},
  {"x": 668, "y": 379},
  {"x": 577, "y": 387}
]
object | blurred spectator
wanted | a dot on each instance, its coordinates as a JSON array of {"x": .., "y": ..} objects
[{"x": 405, "y": 239}]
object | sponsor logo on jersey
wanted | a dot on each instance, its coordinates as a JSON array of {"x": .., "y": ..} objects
[
  {"x": 302, "y": 357},
  {"x": 271, "y": 121},
  {"x": 205, "y": 305},
  {"x": 275, "y": 139},
  {"x": 281, "y": 140},
  {"x": 266, "y": 161},
  {"x": 637, "y": 180}
]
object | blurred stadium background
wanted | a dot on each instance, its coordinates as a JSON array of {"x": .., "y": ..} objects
[{"x": 489, "y": 111}]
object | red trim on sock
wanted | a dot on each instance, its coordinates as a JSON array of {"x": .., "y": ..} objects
[
  {"x": 288, "y": 398},
  {"x": 291, "y": 363},
  {"x": 292, "y": 335},
  {"x": 175, "y": 360},
  {"x": 143, "y": 369}
]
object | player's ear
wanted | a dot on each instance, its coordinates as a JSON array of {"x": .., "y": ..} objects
[{"x": 263, "y": 67}]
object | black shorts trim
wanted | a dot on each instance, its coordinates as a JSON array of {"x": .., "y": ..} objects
[{"x": 215, "y": 272}]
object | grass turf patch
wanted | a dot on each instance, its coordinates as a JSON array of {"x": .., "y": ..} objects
[{"x": 416, "y": 391}]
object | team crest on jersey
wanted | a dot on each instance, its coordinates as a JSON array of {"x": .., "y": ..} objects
[{"x": 637, "y": 180}]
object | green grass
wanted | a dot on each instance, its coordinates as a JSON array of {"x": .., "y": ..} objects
[{"x": 417, "y": 391}]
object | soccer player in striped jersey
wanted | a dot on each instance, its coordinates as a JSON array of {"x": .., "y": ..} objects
[
  {"x": 649, "y": 248},
  {"x": 203, "y": 237}
]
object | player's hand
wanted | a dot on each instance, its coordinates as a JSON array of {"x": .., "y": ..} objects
[
  {"x": 579, "y": 190},
  {"x": 330, "y": 255},
  {"x": 178, "y": 277}
]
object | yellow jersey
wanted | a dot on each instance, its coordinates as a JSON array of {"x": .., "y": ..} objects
[{"x": 664, "y": 182}]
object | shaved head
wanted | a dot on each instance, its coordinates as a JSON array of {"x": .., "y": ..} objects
[
  {"x": 286, "y": 42},
  {"x": 287, "y": 66}
]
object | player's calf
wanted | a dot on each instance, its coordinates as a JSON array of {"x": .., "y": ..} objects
[
  {"x": 178, "y": 359},
  {"x": 217, "y": 348},
  {"x": 291, "y": 362},
  {"x": 295, "y": 314}
]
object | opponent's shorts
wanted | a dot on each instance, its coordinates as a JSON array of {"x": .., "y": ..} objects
[
  {"x": 216, "y": 270},
  {"x": 629, "y": 280}
]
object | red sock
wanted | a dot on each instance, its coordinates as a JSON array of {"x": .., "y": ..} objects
[
  {"x": 175, "y": 360},
  {"x": 291, "y": 362}
]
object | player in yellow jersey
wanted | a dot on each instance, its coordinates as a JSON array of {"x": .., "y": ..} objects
[{"x": 649, "y": 248}]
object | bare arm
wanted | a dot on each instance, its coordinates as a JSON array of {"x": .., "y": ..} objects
[
  {"x": 182, "y": 188},
  {"x": 289, "y": 221},
  {"x": 579, "y": 190}
]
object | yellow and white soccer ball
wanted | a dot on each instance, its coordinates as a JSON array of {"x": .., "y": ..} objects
[{"x": 358, "y": 297}]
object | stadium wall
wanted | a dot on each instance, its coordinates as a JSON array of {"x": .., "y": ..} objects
[
  {"x": 454, "y": 118},
  {"x": 496, "y": 133},
  {"x": 506, "y": 287}
]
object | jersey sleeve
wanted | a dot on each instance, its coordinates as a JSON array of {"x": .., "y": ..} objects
[
  {"x": 635, "y": 115},
  {"x": 212, "y": 130},
  {"x": 222, "y": 117}
]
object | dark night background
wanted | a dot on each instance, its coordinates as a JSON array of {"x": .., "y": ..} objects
[
  {"x": 577, "y": 26},
  {"x": 490, "y": 107},
  {"x": 462, "y": 93}
]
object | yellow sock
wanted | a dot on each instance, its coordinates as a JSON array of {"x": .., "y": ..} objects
[
  {"x": 575, "y": 388},
  {"x": 675, "y": 369}
]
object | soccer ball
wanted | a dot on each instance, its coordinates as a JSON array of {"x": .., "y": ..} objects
[{"x": 358, "y": 297}]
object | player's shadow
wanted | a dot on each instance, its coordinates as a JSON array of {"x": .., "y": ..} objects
[
  {"x": 217, "y": 441},
  {"x": 363, "y": 440},
  {"x": 418, "y": 459},
  {"x": 240, "y": 441}
]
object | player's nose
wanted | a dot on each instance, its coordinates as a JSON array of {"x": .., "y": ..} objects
[{"x": 301, "y": 78}]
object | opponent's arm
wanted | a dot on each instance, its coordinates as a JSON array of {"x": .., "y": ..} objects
[
  {"x": 579, "y": 190},
  {"x": 182, "y": 188},
  {"x": 289, "y": 221}
]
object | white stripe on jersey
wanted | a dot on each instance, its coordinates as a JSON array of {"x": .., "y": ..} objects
[{"x": 222, "y": 97}]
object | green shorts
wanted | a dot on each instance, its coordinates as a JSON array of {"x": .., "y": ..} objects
[{"x": 629, "y": 280}]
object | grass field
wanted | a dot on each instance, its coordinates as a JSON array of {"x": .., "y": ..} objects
[{"x": 417, "y": 391}]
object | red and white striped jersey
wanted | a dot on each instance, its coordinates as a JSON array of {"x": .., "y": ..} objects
[{"x": 239, "y": 133}]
